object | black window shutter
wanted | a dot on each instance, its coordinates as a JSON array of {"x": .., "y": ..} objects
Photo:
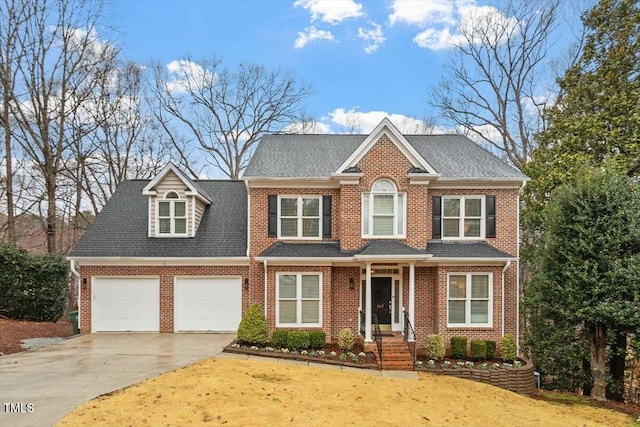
[
  {"x": 326, "y": 216},
  {"x": 491, "y": 216},
  {"x": 436, "y": 223},
  {"x": 273, "y": 216}
]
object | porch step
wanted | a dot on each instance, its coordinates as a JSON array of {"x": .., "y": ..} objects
[{"x": 395, "y": 354}]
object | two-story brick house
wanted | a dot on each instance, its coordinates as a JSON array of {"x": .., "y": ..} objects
[{"x": 324, "y": 232}]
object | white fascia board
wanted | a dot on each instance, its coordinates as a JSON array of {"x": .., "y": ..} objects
[
  {"x": 347, "y": 178},
  {"x": 469, "y": 261},
  {"x": 422, "y": 178},
  {"x": 476, "y": 183},
  {"x": 393, "y": 258},
  {"x": 290, "y": 182},
  {"x": 160, "y": 261},
  {"x": 198, "y": 195},
  {"x": 388, "y": 128},
  {"x": 319, "y": 261}
]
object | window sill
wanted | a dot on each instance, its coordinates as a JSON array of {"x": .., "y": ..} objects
[{"x": 461, "y": 326}]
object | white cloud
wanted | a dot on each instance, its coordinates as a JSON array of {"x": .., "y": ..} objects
[
  {"x": 310, "y": 34},
  {"x": 331, "y": 11},
  {"x": 422, "y": 12},
  {"x": 444, "y": 22},
  {"x": 310, "y": 127},
  {"x": 374, "y": 37},
  {"x": 354, "y": 121},
  {"x": 187, "y": 74}
]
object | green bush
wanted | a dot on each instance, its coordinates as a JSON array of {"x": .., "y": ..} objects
[
  {"x": 317, "y": 340},
  {"x": 345, "y": 339},
  {"x": 478, "y": 350},
  {"x": 253, "y": 327},
  {"x": 491, "y": 349},
  {"x": 33, "y": 287},
  {"x": 508, "y": 349},
  {"x": 279, "y": 338},
  {"x": 459, "y": 347},
  {"x": 434, "y": 348},
  {"x": 298, "y": 340}
]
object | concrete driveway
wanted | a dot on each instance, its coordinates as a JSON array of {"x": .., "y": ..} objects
[{"x": 37, "y": 388}]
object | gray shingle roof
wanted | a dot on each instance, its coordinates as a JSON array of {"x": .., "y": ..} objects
[
  {"x": 464, "y": 250},
  {"x": 438, "y": 249},
  {"x": 121, "y": 229},
  {"x": 314, "y": 156}
]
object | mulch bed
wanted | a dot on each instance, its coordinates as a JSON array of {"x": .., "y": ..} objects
[
  {"x": 12, "y": 332},
  {"x": 367, "y": 362}
]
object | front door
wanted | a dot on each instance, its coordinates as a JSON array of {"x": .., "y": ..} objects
[{"x": 381, "y": 301}]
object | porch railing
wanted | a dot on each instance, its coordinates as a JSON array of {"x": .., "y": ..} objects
[
  {"x": 377, "y": 336},
  {"x": 410, "y": 337}
]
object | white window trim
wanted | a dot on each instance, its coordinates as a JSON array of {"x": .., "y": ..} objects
[
  {"x": 468, "y": 300},
  {"x": 396, "y": 233},
  {"x": 300, "y": 218},
  {"x": 298, "y": 322},
  {"x": 172, "y": 217},
  {"x": 461, "y": 218}
]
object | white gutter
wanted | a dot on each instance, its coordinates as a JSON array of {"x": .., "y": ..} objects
[
  {"x": 266, "y": 277},
  {"x": 504, "y": 270},
  {"x": 239, "y": 260}
]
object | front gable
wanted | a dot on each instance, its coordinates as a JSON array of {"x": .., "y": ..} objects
[{"x": 386, "y": 130}]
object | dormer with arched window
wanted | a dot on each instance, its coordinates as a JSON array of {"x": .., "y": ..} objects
[{"x": 176, "y": 204}]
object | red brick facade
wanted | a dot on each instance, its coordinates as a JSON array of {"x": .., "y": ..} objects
[{"x": 340, "y": 303}]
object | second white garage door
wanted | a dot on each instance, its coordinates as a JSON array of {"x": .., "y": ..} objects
[{"x": 207, "y": 304}]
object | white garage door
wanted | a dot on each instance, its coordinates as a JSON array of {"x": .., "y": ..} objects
[
  {"x": 125, "y": 304},
  {"x": 207, "y": 304}
]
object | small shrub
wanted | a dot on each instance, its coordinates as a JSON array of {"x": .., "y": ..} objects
[
  {"x": 508, "y": 349},
  {"x": 434, "y": 348},
  {"x": 478, "y": 349},
  {"x": 279, "y": 338},
  {"x": 298, "y": 340},
  {"x": 317, "y": 339},
  {"x": 345, "y": 339},
  {"x": 253, "y": 327},
  {"x": 491, "y": 349},
  {"x": 458, "y": 347}
]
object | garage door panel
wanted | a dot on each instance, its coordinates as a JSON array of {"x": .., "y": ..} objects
[
  {"x": 125, "y": 304},
  {"x": 208, "y": 304}
]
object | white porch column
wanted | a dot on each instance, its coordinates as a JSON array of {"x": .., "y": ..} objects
[
  {"x": 367, "y": 308},
  {"x": 412, "y": 296}
]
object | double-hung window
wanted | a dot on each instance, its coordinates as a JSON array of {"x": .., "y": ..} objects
[
  {"x": 171, "y": 216},
  {"x": 299, "y": 297},
  {"x": 462, "y": 217},
  {"x": 383, "y": 211},
  {"x": 300, "y": 217},
  {"x": 469, "y": 299}
]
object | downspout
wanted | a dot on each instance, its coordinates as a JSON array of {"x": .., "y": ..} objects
[
  {"x": 524, "y": 183},
  {"x": 264, "y": 263},
  {"x": 74, "y": 272},
  {"x": 504, "y": 270}
]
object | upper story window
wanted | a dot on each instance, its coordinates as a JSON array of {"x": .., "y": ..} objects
[
  {"x": 462, "y": 217},
  {"x": 300, "y": 217},
  {"x": 383, "y": 211},
  {"x": 171, "y": 215}
]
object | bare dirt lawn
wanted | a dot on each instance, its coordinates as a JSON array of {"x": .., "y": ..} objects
[{"x": 222, "y": 391}]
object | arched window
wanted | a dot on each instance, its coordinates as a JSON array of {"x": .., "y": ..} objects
[
  {"x": 383, "y": 210},
  {"x": 172, "y": 215}
]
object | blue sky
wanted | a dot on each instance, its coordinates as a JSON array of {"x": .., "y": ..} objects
[{"x": 373, "y": 58}]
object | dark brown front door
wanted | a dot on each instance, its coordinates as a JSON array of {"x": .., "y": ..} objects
[{"x": 381, "y": 299}]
